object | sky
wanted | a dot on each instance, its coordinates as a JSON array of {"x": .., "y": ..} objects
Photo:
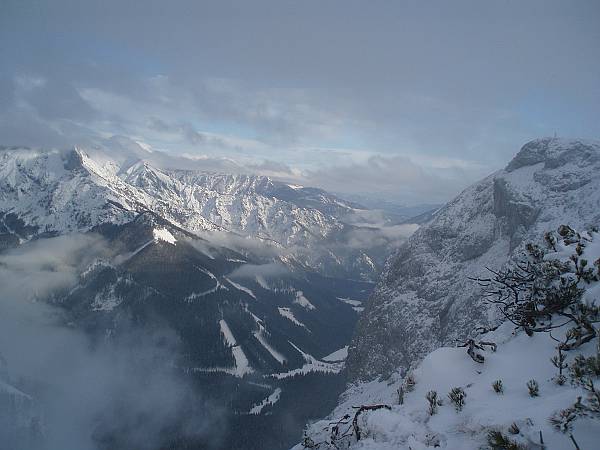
[{"x": 410, "y": 101}]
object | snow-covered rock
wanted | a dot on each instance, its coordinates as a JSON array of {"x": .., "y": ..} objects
[
  {"x": 406, "y": 420},
  {"x": 517, "y": 360},
  {"x": 425, "y": 299}
]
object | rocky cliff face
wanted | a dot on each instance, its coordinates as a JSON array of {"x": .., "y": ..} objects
[{"x": 424, "y": 298}]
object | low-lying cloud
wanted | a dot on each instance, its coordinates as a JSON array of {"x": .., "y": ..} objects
[
  {"x": 390, "y": 236},
  {"x": 86, "y": 394},
  {"x": 261, "y": 248},
  {"x": 269, "y": 270}
]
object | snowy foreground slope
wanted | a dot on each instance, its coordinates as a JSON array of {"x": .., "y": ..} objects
[
  {"x": 424, "y": 298},
  {"x": 522, "y": 419}
]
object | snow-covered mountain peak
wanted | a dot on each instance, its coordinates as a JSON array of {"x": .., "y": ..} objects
[
  {"x": 555, "y": 152},
  {"x": 60, "y": 191},
  {"x": 425, "y": 298}
]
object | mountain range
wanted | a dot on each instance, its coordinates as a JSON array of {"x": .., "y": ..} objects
[
  {"x": 254, "y": 279},
  {"x": 53, "y": 192},
  {"x": 259, "y": 294}
]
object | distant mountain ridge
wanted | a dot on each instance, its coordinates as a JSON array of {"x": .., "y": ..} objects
[{"x": 51, "y": 192}]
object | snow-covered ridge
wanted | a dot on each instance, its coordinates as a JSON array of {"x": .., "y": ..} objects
[
  {"x": 52, "y": 191},
  {"x": 516, "y": 392},
  {"x": 425, "y": 299},
  {"x": 518, "y": 360}
]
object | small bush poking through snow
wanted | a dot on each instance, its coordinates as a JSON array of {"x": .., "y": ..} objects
[
  {"x": 409, "y": 383},
  {"x": 401, "y": 395},
  {"x": 563, "y": 420},
  {"x": 432, "y": 440},
  {"x": 583, "y": 367},
  {"x": 534, "y": 388},
  {"x": 532, "y": 291},
  {"x": 559, "y": 361},
  {"x": 560, "y": 380},
  {"x": 514, "y": 428},
  {"x": 498, "y": 387},
  {"x": 498, "y": 441},
  {"x": 473, "y": 346},
  {"x": 433, "y": 402},
  {"x": 457, "y": 396}
]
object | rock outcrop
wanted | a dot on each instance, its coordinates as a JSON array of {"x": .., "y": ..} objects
[{"x": 425, "y": 299}]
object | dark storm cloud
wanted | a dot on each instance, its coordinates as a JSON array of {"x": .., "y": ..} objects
[{"x": 266, "y": 80}]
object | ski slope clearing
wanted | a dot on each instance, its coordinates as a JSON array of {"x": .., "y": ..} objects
[
  {"x": 312, "y": 365},
  {"x": 288, "y": 314},
  {"x": 338, "y": 355},
  {"x": 242, "y": 365},
  {"x": 270, "y": 400},
  {"x": 239, "y": 287},
  {"x": 303, "y": 301},
  {"x": 260, "y": 337}
]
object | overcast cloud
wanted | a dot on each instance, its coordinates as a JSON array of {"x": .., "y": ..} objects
[{"x": 414, "y": 100}]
